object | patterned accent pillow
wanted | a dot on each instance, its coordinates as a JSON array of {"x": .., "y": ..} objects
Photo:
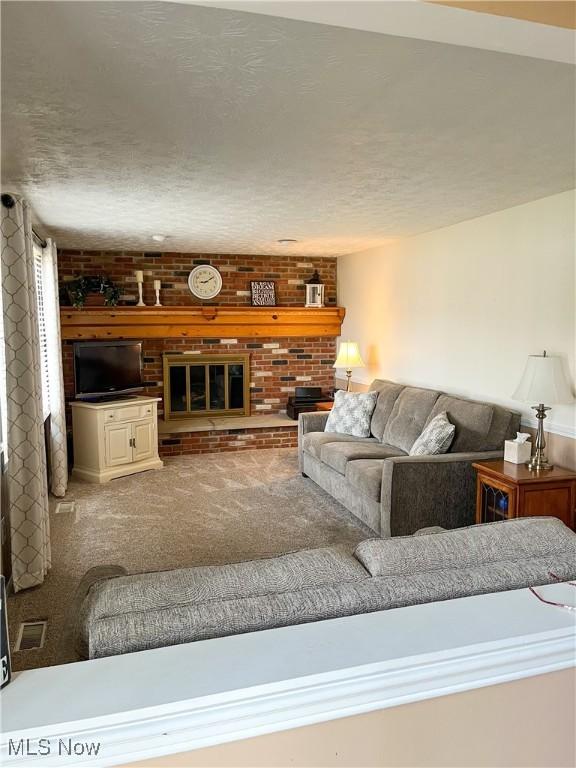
[
  {"x": 435, "y": 438},
  {"x": 352, "y": 413}
]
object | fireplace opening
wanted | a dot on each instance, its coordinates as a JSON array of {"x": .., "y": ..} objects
[{"x": 206, "y": 385}]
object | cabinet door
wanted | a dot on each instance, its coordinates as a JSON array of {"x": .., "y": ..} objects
[
  {"x": 548, "y": 499},
  {"x": 494, "y": 500},
  {"x": 118, "y": 444},
  {"x": 143, "y": 440}
]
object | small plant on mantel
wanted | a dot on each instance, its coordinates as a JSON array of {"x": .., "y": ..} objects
[{"x": 76, "y": 290}]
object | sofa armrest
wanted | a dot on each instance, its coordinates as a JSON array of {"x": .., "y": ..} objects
[
  {"x": 310, "y": 422},
  {"x": 422, "y": 491}
]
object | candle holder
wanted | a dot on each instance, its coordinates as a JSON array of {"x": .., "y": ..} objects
[
  {"x": 157, "y": 286},
  {"x": 139, "y": 275}
]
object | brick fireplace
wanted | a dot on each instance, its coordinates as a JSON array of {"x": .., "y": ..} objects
[{"x": 277, "y": 364}]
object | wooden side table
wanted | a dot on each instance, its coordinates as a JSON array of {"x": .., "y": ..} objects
[
  {"x": 327, "y": 406},
  {"x": 505, "y": 490}
]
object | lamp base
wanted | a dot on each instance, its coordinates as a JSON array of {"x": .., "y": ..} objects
[{"x": 539, "y": 463}]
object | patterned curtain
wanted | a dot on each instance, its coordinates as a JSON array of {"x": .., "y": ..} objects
[
  {"x": 58, "y": 454},
  {"x": 26, "y": 467}
]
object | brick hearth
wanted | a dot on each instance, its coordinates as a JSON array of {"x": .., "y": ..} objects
[{"x": 230, "y": 440}]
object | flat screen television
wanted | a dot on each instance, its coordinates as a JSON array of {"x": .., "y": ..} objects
[{"x": 103, "y": 369}]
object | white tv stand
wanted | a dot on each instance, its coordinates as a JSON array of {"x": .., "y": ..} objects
[{"x": 115, "y": 438}]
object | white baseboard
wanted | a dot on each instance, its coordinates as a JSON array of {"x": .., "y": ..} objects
[{"x": 549, "y": 427}]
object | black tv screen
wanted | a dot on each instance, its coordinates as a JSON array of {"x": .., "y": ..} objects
[{"x": 104, "y": 368}]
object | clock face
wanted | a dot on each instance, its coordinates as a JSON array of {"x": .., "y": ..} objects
[{"x": 205, "y": 281}]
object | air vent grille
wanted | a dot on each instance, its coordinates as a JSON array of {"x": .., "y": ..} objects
[
  {"x": 65, "y": 507},
  {"x": 31, "y": 635}
]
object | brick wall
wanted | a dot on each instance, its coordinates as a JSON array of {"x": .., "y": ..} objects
[
  {"x": 288, "y": 272},
  {"x": 277, "y": 366},
  {"x": 229, "y": 440}
]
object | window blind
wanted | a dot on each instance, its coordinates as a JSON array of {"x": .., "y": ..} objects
[{"x": 39, "y": 275}]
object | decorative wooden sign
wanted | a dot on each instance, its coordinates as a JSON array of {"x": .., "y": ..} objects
[{"x": 263, "y": 293}]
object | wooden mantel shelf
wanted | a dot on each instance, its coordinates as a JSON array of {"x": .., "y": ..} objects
[{"x": 199, "y": 322}]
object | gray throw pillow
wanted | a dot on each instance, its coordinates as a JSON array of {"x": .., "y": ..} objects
[
  {"x": 352, "y": 413},
  {"x": 435, "y": 438}
]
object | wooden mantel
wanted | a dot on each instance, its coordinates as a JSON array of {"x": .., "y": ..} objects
[{"x": 199, "y": 322}]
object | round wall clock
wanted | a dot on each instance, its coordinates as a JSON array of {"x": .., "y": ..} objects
[{"x": 205, "y": 282}]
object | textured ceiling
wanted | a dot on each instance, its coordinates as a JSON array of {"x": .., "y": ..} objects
[{"x": 226, "y": 130}]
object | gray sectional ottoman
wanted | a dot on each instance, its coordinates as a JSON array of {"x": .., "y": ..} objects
[
  {"x": 374, "y": 477},
  {"x": 151, "y": 610}
]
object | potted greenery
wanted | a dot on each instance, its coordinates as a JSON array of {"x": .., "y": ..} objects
[{"x": 76, "y": 291}]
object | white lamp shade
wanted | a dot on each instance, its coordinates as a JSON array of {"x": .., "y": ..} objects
[
  {"x": 543, "y": 381},
  {"x": 348, "y": 356}
]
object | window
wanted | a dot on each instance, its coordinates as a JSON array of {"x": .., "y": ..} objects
[{"x": 40, "y": 293}]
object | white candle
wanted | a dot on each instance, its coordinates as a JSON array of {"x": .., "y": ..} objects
[
  {"x": 157, "y": 285},
  {"x": 139, "y": 274}
]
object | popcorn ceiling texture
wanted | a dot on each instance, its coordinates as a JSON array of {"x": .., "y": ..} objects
[
  {"x": 227, "y": 130},
  {"x": 277, "y": 365}
]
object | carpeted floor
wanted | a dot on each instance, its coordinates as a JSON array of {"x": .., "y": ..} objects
[{"x": 198, "y": 510}]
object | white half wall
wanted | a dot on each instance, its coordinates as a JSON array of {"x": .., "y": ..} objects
[{"x": 461, "y": 308}]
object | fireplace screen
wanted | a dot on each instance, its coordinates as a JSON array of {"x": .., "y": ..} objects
[{"x": 206, "y": 385}]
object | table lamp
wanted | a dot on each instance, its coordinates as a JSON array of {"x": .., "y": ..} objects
[
  {"x": 543, "y": 381},
  {"x": 348, "y": 358}
]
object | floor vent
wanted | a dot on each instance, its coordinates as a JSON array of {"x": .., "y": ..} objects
[
  {"x": 65, "y": 507},
  {"x": 31, "y": 635}
]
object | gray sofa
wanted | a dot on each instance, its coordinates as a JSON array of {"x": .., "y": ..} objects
[
  {"x": 374, "y": 477},
  {"x": 151, "y": 610}
]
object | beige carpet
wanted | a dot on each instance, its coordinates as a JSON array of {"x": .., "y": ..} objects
[{"x": 212, "y": 508}]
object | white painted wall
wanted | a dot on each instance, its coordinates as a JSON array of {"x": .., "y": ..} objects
[{"x": 461, "y": 308}]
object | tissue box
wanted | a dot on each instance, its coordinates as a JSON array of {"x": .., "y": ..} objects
[{"x": 517, "y": 453}]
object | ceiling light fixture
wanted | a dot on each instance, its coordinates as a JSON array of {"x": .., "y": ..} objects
[
  {"x": 158, "y": 238},
  {"x": 287, "y": 241}
]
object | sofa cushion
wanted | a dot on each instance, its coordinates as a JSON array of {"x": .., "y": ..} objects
[
  {"x": 281, "y": 573},
  {"x": 366, "y": 476},
  {"x": 351, "y": 413},
  {"x": 387, "y": 394},
  {"x": 504, "y": 426},
  {"x": 472, "y": 547},
  {"x": 408, "y": 417},
  {"x": 337, "y": 455},
  {"x": 473, "y": 421},
  {"x": 435, "y": 438},
  {"x": 155, "y": 594},
  {"x": 430, "y": 530},
  {"x": 312, "y": 442}
]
